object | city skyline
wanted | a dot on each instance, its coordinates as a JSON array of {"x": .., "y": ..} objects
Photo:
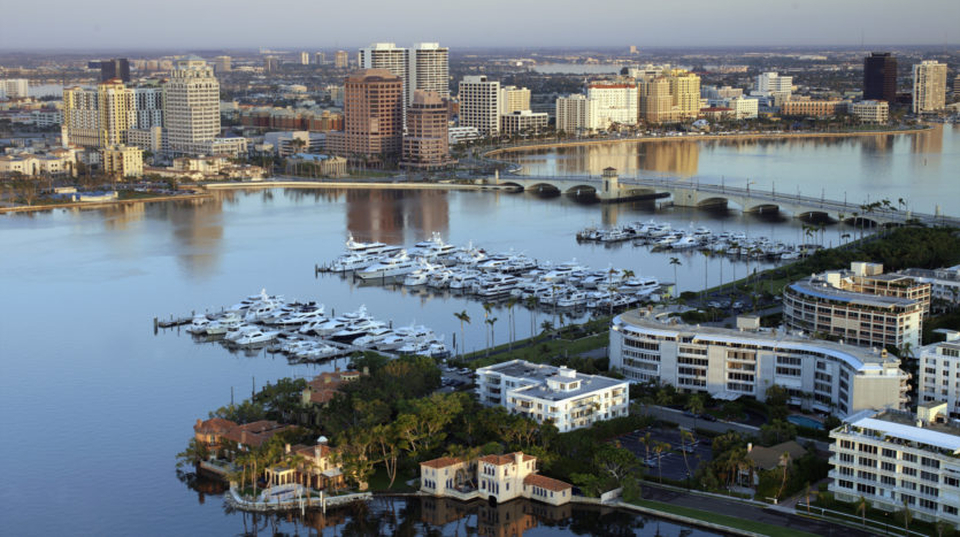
[{"x": 744, "y": 23}]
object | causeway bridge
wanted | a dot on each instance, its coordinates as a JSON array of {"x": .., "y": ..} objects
[{"x": 610, "y": 188}]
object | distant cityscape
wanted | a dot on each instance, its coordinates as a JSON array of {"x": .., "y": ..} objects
[{"x": 393, "y": 107}]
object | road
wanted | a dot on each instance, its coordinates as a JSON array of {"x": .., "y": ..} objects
[{"x": 766, "y": 515}]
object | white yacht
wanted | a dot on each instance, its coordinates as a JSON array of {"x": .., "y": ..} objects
[
  {"x": 421, "y": 275},
  {"x": 432, "y": 249},
  {"x": 440, "y": 279},
  {"x": 468, "y": 256},
  {"x": 354, "y": 330},
  {"x": 572, "y": 299},
  {"x": 255, "y": 336},
  {"x": 330, "y": 326},
  {"x": 370, "y": 248},
  {"x": 373, "y": 337},
  {"x": 390, "y": 267},
  {"x": 199, "y": 325},
  {"x": 562, "y": 272},
  {"x": 354, "y": 261},
  {"x": 224, "y": 324},
  {"x": 463, "y": 280},
  {"x": 299, "y": 318},
  {"x": 494, "y": 285}
]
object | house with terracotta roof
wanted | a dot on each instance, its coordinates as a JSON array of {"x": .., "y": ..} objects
[
  {"x": 214, "y": 431},
  {"x": 499, "y": 478},
  {"x": 317, "y": 468},
  {"x": 325, "y": 386}
]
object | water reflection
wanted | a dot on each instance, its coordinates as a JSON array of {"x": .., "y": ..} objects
[
  {"x": 396, "y": 216},
  {"x": 434, "y": 516},
  {"x": 197, "y": 231}
]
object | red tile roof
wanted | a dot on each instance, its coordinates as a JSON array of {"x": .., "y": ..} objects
[
  {"x": 500, "y": 460},
  {"x": 442, "y": 462},
  {"x": 214, "y": 425},
  {"x": 545, "y": 482}
]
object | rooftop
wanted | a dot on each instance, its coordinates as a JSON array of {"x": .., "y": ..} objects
[
  {"x": 537, "y": 376},
  {"x": 442, "y": 462},
  {"x": 545, "y": 482},
  {"x": 509, "y": 458},
  {"x": 903, "y": 426},
  {"x": 859, "y": 358},
  {"x": 822, "y": 290}
]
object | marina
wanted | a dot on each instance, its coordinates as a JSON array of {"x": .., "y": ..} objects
[
  {"x": 303, "y": 332},
  {"x": 512, "y": 278},
  {"x": 662, "y": 237}
]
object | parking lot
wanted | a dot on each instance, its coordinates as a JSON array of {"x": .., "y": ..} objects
[
  {"x": 672, "y": 460},
  {"x": 453, "y": 379}
]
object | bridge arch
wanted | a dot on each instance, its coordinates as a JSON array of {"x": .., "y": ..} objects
[
  {"x": 816, "y": 215},
  {"x": 545, "y": 189},
  {"x": 713, "y": 202},
  {"x": 582, "y": 189},
  {"x": 762, "y": 208}
]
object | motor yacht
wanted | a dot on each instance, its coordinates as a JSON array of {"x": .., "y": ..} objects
[
  {"x": 255, "y": 337},
  {"x": 199, "y": 325},
  {"x": 432, "y": 249},
  {"x": 391, "y": 267},
  {"x": 354, "y": 261},
  {"x": 370, "y": 248},
  {"x": 224, "y": 324}
]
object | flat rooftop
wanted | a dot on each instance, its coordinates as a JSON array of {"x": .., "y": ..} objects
[
  {"x": 537, "y": 375},
  {"x": 903, "y": 425},
  {"x": 858, "y": 357},
  {"x": 824, "y": 291}
]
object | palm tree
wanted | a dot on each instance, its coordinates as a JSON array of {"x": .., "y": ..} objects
[
  {"x": 659, "y": 448},
  {"x": 546, "y": 326},
  {"x": 785, "y": 464},
  {"x": 647, "y": 441},
  {"x": 695, "y": 406},
  {"x": 808, "y": 497},
  {"x": 493, "y": 339},
  {"x": 686, "y": 436},
  {"x": 464, "y": 318},
  {"x": 532, "y": 302},
  {"x": 907, "y": 515},
  {"x": 510, "y": 304},
  {"x": 862, "y": 507},
  {"x": 676, "y": 263},
  {"x": 487, "y": 308}
]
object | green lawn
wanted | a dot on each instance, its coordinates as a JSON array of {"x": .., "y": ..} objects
[
  {"x": 738, "y": 523},
  {"x": 539, "y": 351},
  {"x": 380, "y": 481}
]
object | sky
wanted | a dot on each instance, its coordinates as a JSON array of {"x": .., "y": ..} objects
[{"x": 325, "y": 24}]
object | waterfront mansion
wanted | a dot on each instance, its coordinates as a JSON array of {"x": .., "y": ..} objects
[
  {"x": 497, "y": 478},
  {"x": 728, "y": 363},
  {"x": 569, "y": 399}
]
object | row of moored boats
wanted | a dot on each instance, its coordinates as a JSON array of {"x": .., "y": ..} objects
[
  {"x": 661, "y": 236},
  {"x": 472, "y": 271},
  {"x": 305, "y": 332}
]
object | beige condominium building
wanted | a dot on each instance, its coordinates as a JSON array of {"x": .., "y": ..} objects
[
  {"x": 514, "y": 99},
  {"x": 191, "y": 107},
  {"x": 728, "y": 363},
  {"x": 929, "y": 86},
  {"x": 896, "y": 460},
  {"x": 523, "y": 122},
  {"x": 573, "y": 114},
  {"x": 117, "y": 112},
  {"x": 568, "y": 399},
  {"x": 122, "y": 160},
  {"x": 861, "y": 306},
  {"x": 812, "y": 108},
  {"x": 81, "y": 117},
  {"x": 426, "y": 144}
]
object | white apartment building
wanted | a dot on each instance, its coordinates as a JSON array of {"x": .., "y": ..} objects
[
  {"x": 873, "y": 112},
  {"x": 573, "y": 114},
  {"x": 304, "y": 58},
  {"x": 893, "y": 459},
  {"x": 615, "y": 103},
  {"x": 771, "y": 82},
  {"x": 929, "y": 86},
  {"x": 944, "y": 283},
  {"x": 429, "y": 70},
  {"x": 715, "y": 93},
  {"x": 55, "y": 163},
  {"x": 743, "y": 107},
  {"x": 191, "y": 107},
  {"x": 727, "y": 363},
  {"x": 390, "y": 57},
  {"x": 523, "y": 121},
  {"x": 480, "y": 104},
  {"x": 514, "y": 99},
  {"x": 570, "y": 400},
  {"x": 862, "y": 305},
  {"x": 940, "y": 373},
  {"x": 648, "y": 71},
  {"x": 15, "y": 88}
]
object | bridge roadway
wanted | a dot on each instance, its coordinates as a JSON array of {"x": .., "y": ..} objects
[{"x": 704, "y": 195}]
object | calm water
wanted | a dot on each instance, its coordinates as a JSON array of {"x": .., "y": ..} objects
[
  {"x": 923, "y": 169},
  {"x": 95, "y": 406}
]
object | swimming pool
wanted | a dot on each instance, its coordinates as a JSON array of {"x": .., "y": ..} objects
[{"x": 804, "y": 421}]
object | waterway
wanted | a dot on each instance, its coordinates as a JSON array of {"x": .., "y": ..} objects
[
  {"x": 921, "y": 169},
  {"x": 95, "y": 406}
]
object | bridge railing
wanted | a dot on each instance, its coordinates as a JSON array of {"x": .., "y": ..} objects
[{"x": 886, "y": 213}]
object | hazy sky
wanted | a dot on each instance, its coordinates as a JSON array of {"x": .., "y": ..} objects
[{"x": 314, "y": 24}]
